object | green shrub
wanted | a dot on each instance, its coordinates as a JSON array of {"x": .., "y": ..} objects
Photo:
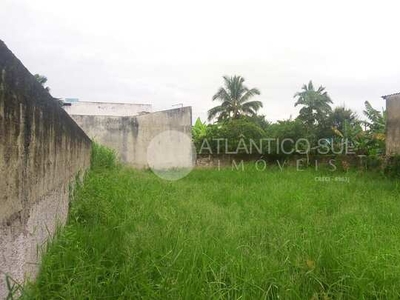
[
  {"x": 103, "y": 157},
  {"x": 234, "y": 135},
  {"x": 374, "y": 162},
  {"x": 392, "y": 168}
]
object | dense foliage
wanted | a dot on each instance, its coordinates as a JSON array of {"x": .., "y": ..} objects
[
  {"x": 228, "y": 137},
  {"x": 318, "y": 122}
]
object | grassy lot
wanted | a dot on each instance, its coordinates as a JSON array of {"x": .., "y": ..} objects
[{"x": 226, "y": 234}]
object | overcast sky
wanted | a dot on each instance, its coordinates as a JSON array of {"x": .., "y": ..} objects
[{"x": 169, "y": 52}]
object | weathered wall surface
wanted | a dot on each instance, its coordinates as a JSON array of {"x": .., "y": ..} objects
[
  {"x": 42, "y": 150},
  {"x": 393, "y": 124},
  {"x": 130, "y": 136},
  {"x": 106, "y": 109}
]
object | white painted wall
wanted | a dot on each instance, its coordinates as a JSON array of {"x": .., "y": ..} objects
[{"x": 107, "y": 109}]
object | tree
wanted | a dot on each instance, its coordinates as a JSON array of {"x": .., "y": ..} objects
[
  {"x": 42, "y": 80},
  {"x": 342, "y": 117},
  {"x": 285, "y": 129},
  {"x": 376, "y": 132},
  {"x": 259, "y": 120},
  {"x": 372, "y": 140},
  {"x": 376, "y": 119},
  {"x": 234, "y": 98},
  {"x": 227, "y": 136},
  {"x": 199, "y": 129},
  {"x": 346, "y": 128},
  {"x": 199, "y": 132},
  {"x": 316, "y": 104}
]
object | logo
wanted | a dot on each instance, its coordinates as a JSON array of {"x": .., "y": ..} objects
[{"x": 171, "y": 155}]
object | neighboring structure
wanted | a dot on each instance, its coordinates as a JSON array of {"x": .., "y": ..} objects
[
  {"x": 42, "y": 151},
  {"x": 128, "y": 128},
  {"x": 393, "y": 124},
  {"x": 76, "y": 107},
  {"x": 130, "y": 136}
]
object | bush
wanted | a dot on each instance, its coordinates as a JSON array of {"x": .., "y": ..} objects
[
  {"x": 287, "y": 129},
  {"x": 102, "y": 157},
  {"x": 392, "y": 168},
  {"x": 233, "y": 135}
]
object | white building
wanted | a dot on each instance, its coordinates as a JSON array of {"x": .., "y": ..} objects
[{"x": 105, "y": 108}]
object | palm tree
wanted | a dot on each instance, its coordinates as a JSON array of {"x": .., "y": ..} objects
[
  {"x": 235, "y": 100},
  {"x": 342, "y": 117},
  {"x": 316, "y": 104}
]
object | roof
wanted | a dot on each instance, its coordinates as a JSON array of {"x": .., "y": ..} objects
[{"x": 395, "y": 94}]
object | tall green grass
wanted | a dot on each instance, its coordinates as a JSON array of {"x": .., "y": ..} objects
[
  {"x": 225, "y": 235},
  {"x": 102, "y": 158}
]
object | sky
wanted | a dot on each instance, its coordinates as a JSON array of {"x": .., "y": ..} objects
[{"x": 174, "y": 52}]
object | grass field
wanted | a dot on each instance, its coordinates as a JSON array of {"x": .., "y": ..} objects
[{"x": 226, "y": 234}]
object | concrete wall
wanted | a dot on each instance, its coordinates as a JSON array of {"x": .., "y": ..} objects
[
  {"x": 106, "y": 109},
  {"x": 42, "y": 150},
  {"x": 130, "y": 136},
  {"x": 393, "y": 124}
]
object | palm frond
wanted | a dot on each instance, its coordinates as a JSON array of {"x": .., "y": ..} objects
[
  {"x": 222, "y": 95},
  {"x": 254, "y": 105},
  {"x": 215, "y": 111},
  {"x": 248, "y": 94},
  {"x": 234, "y": 98}
]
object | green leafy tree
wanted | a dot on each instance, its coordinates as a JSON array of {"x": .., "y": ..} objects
[
  {"x": 235, "y": 100},
  {"x": 342, "y": 117},
  {"x": 315, "y": 104},
  {"x": 199, "y": 129},
  {"x": 370, "y": 141},
  {"x": 259, "y": 120},
  {"x": 228, "y": 136},
  {"x": 285, "y": 129},
  {"x": 376, "y": 119},
  {"x": 351, "y": 134},
  {"x": 199, "y": 132},
  {"x": 346, "y": 128},
  {"x": 376, "y": 129},
  {"x": 42, "y": 80}
]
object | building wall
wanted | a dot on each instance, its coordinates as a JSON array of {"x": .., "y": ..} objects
[
  {"x": 106, "y": 109},
  {"x": 130, "y": 136},
  {"x": 42, "y": 150},
  {"x": 393, "y": 125}
]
